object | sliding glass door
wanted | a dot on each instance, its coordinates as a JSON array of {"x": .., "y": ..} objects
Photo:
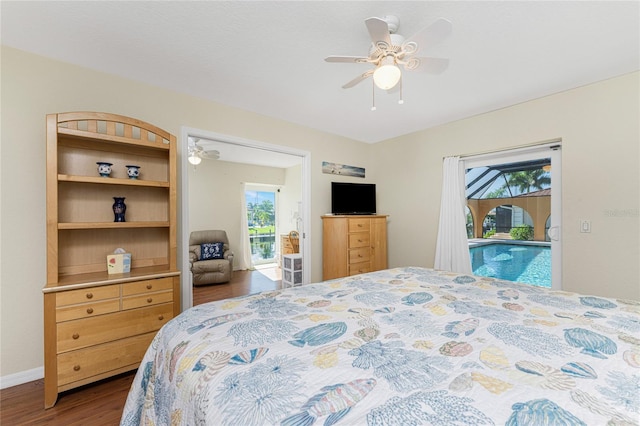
[
  {"x": 514, "y": 201},
  {"x": 261, "y": 204}
]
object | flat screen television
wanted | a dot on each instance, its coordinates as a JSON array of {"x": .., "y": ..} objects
[{"x": 353, "y": 198}]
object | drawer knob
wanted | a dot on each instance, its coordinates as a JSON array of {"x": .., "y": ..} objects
[
  {"x": 359, "y": 241},
  {"x": 149, "y": 286},
  {"x": 89, "y": 310},
  {"x": 359, "y": 225},
  {"x": 89, "y": 295},
  {"x": 76, "y": 368},
  {"x": 149, "y": 300},
  {"x": 160, "y": 317},
  {"x": 75, "y": 336}
]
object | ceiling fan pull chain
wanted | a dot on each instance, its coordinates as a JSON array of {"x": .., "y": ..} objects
[
  {"x": 373, "y": 95},
  {"x": 401, "y": 101}
]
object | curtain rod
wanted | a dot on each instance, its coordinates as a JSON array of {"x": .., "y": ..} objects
[{"x": 551, "y": 143}]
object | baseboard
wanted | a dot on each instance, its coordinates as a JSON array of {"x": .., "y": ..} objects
[{"x": 21, "y": 377}]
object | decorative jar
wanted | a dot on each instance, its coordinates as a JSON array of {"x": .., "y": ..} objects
[
  {"x": 133, "y": 172},
  {"x": 104, "y": 169},
  {"x": 119, "y": 208}
]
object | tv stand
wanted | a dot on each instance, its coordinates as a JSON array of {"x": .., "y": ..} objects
[{"x": 353, "y": 244}]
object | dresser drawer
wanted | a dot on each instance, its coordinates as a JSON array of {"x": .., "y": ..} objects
[
  {"x": 359, "y": 225},
  {"x": 359, "y": 239},
  {"x": 84, "y": 363},
  {"x": 86, "y": 310},
  {"x": 85, "y": 295},
  {"x": 86, "y": 332},
  {"x": 359, "y": 268},
  {"x": 359, "y": 255},
  {"x": 148, "y": 299},
  {"x": 147, "y": 286}
]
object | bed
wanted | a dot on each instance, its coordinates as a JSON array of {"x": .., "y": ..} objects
[{"x": 404, "y": 346}]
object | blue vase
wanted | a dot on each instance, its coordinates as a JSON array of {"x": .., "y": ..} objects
[{"x": 119, "y": 208}]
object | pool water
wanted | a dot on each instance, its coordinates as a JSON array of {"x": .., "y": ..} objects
[{"x": 513, "y": 262}]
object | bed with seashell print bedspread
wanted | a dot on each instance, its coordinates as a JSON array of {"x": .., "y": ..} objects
[{"x": 405, "y": 346}]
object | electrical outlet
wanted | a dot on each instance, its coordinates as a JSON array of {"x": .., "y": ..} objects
[{"x": 585, "y": 226}]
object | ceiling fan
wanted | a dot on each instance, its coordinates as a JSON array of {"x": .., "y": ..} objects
[
  {"x": 389, "y": 49},
  {"x": 198, "y": 151}
]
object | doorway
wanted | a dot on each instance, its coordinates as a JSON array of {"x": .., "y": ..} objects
[
  {"x": 503, "y": 211},
  {"x": 244, "y": 150}
]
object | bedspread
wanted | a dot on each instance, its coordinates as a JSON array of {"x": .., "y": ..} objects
[{"x": 405, "y": 346}]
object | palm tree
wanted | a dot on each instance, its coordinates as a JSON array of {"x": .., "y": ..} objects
[
  {"x": 498, "y": 193},
  {"x": 264, "y": 212},
  {"x": 528, "y": 180}
]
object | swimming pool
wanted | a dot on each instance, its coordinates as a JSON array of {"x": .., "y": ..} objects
[{"x": 529, "y": 264}]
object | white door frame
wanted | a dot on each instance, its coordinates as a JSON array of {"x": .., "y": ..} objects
[
  {"x": 183, "y": 247},
  {"x": 551, "y": 150}
]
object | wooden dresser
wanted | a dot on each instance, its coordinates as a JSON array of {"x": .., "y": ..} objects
[
  {"x": 97, "y": 324},
  {"x": 353, "y": 245}
]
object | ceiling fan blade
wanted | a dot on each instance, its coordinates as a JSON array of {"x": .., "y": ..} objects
[
  {"x": 431, "y": 35},
  {"x": 427, "y": 65},
  {"x": 358, "y": 79},
  {"x": 378, "y": 30},
  {"x": 210, "y": 155},
  {"x": 356, "y": 59}
]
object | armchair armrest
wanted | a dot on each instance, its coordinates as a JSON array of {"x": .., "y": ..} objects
[{"x": 192, "y": 258}]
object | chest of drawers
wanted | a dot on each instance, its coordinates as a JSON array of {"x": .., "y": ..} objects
[
  {"x": 353, "y": 245},
  {"x": 97, "y": 331}
]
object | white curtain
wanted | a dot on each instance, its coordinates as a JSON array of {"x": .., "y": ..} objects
[
  {"x": 243, "y": 260},
  {"x": 452, "y": 247}
]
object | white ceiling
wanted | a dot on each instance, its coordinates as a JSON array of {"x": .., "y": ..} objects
[{"x": 268, "y": 56}]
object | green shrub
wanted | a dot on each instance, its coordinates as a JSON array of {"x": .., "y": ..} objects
[
  {"x": 489, "y": 233},
  {"x": 522, "y": 232}
]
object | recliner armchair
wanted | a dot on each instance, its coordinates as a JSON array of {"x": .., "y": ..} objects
[{"x": 210, "y": 270}]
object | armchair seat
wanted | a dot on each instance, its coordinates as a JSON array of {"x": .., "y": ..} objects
[{"x": 210, "y": 271}]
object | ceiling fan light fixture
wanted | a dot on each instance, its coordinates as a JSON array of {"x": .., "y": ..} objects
[
  {"x": 194, "y": 159},
  {"x": 387, "y": 75}
]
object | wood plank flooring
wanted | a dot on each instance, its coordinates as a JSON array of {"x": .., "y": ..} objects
[
  {"x": 101, "y": 403},
  {"x": 243, "y": 283}
]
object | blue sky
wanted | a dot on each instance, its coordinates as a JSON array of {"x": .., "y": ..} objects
[{"x": 258, "y": 197}]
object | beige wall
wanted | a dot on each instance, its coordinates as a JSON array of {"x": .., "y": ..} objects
[
  {"x": 288, "y": 207},
  {"x": 599, "y": 128},
  {"x": 33, "y": 86},
  {"x": 598, "y": 125}
]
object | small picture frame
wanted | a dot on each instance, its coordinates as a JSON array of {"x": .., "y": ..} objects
[{"x": 342, "y": 169}]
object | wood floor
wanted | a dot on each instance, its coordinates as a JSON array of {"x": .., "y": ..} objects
[{"x": 101, "y": 403}]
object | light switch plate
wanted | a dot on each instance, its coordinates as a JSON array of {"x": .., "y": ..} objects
[{"x": 585, "y": 226}]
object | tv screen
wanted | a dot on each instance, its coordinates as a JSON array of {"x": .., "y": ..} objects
[{"x": 353, "y": 198}]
